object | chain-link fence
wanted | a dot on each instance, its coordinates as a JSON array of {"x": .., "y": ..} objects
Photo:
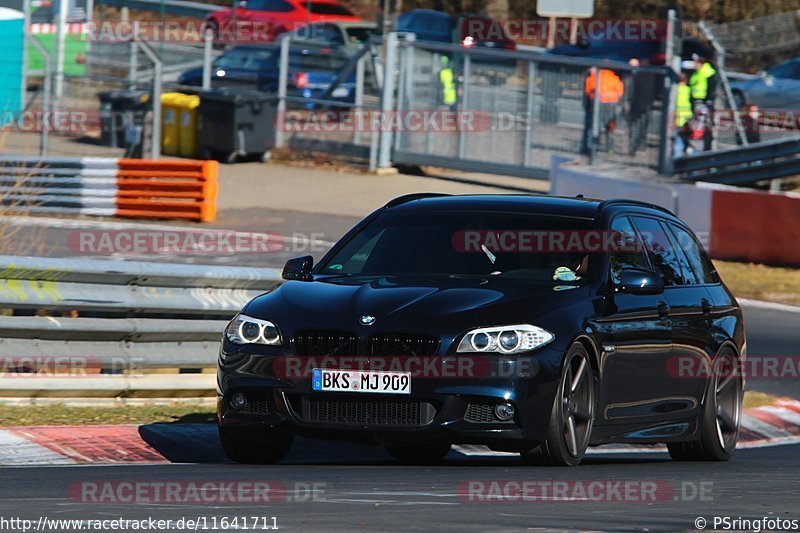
[
  {"x": 754, "y": 44},
  {"x": 64, "y": 116},
  {"x": 514, "y": 110}
]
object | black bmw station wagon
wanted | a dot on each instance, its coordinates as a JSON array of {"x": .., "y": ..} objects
[{"x": 536, "y": 325}]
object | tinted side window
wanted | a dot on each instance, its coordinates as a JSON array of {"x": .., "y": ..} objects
[
  {"x": 689, "y": 276},
  {"x": 699, "y": 260},
  {"x": 660, "y": 250},
  {"x": 631, "y": 254}
]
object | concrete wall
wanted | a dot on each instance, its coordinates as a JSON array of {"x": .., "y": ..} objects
[{"x": 733, "y": 222}]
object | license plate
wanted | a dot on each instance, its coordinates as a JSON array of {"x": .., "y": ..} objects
[{"x": 327, "y": 380}]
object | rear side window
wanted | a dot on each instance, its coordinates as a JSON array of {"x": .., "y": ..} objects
[
  {"x": 695, "y": 254},
  {"x": 659, "y": 248},
  {"x": 630, "y": 253},
  {"x": 279, "y": 6},
  {"x": 689, "y": 276}
]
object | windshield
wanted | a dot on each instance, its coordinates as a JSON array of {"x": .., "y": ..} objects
[
  {"x": 462, "y": 244},
  {"x": 246, "y": 58},
  {"x": 316, "y": 60},
  {"x": 359, "y": 34}
]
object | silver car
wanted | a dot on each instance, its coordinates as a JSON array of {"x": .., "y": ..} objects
[{"x": 336, "y": 34}]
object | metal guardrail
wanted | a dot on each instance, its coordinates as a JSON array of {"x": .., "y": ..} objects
[
  {"x": 110, "y": 187},
  {"x": 173, "y": 7},
  {"x": 113, "y": 357},
  {"x": 742, "y": 165},
  {"x": 129, "y": 287}
]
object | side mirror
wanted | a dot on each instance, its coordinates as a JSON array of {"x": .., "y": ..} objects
[
  {"x": 299, "y": 268},
  {"x": 640, "y": 281}
]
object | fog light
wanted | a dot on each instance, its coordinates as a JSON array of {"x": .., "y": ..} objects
[
  {"x": 238, "y": 401},
  {"x": 504, "y": 411}
]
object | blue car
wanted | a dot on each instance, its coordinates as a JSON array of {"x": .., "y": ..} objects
[
  {"x": 778, "y": 88},
  {"x": 470, "y": 31},
  {"x": 311, "y": 72}
]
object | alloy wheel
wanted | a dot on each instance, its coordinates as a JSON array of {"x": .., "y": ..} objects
[{"x": 577, "y": 404}]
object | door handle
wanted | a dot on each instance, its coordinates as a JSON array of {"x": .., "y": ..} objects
[
  {"x": 663, "y": 310},
  {"x": 706, "y": 306}
]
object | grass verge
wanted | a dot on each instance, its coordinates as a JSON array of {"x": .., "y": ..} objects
[
  {"x": 761, "y": 282},
  {"x": 67, "y": 415}
]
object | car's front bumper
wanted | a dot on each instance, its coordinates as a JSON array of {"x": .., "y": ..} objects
[{"x": 457, "y": 407}]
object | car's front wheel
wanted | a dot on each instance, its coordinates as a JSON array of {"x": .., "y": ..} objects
[
  {"x": 572, "y": 416},
  {"x": 255, "y": 446},
  {"x": 721, "y": 415}
]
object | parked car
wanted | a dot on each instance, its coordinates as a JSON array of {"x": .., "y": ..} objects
[
  {"x": 311, "y": 71},
  {"x": 264, "y": 20},
  {"x": 649, "y": 51},
  {"x": 467, "y": 30},
  {"x": 347, "y": 35},
  {"x": 436, "y": 321},
  {"x": 778, "y": 88}
]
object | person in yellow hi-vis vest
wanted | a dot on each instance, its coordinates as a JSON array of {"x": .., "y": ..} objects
[
  {"x": 683, "y": 112},
  {"x": 447, "y": 80},
  {"x": 703, "y": 84}
]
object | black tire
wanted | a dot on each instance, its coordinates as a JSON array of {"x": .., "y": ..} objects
[
  {"x": 718, "y": 429},
  {"x": 426, "y": 454},
  {"x": 256, "y": 447},
  {"x": 576, "y": 403}
]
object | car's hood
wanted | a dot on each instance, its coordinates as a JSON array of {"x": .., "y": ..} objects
[{"x": 448, "y": 304}]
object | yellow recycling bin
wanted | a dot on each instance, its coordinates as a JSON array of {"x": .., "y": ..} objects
[
  {"x": 170, "y": 129},
  {"x": 187, "y": 119}
]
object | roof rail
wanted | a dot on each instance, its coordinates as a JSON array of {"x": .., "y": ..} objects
[
  {"x": 638, "y": 203},
  {"x": 413, "y": 196}
]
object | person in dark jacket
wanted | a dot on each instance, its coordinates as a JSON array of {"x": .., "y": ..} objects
[{"x": 640, "y": 91}]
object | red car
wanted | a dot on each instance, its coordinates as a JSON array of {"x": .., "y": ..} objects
[{"x": 263, "y": 20}]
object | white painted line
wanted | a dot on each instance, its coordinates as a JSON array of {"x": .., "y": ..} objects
[
  {"x": 769, "y": 443},
  {"x": 16, "y": 450},
  {"x": 763, "y": 428},
  {"x": 791, "y": 417}
]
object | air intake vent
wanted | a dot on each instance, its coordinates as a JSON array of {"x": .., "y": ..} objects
[{"x": 368, "y": 412}]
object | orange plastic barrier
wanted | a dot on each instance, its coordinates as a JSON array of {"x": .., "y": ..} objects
[{"x": 149, "y": 188}]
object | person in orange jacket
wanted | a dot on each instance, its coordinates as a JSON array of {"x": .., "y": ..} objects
[{"x": 608, "y": 87}]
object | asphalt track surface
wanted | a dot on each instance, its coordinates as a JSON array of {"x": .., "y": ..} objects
[
  {"x": 350, "y": 491},
  {"x": 372, "y": 493},
  {"x": 382, "y": 496}
]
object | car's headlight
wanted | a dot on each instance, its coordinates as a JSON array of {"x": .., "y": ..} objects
[
  {"x": 248, "y": 330},
  {"x": 505, "y": 339}
]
